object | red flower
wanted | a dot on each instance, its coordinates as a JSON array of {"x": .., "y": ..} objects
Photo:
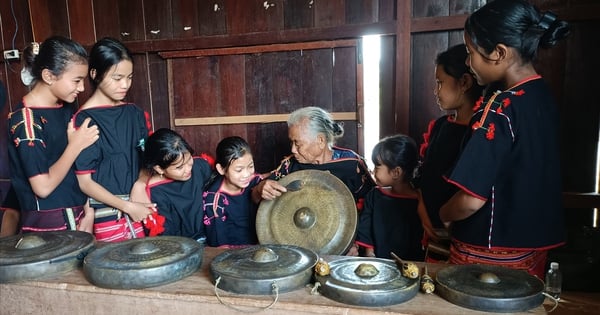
[
  {"x": 360, "y": 204},
  {"x": 506, "y": 102},
  {"x": 499, "y": 110},
  {"x": 490, "y": 131},
  {"x": 478, "y": 103},
  {"x": 519, "y": 92},
  {"x": 155, "y": 224}
]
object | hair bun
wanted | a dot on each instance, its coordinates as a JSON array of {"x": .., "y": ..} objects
[{"x": 547, "y": 19}]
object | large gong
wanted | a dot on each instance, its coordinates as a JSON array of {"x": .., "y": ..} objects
[
  {"x": 262, "y": 269},
  {"x": 320, "y": 216},
  {"x": 490, "y": 288},
  {"x": 143, "y": 262},
  {"x": 42, "y": 254},
  {"x": 366, "y": 282}
]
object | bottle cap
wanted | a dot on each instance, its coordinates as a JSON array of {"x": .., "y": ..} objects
[{"x": 554, "y": 265}]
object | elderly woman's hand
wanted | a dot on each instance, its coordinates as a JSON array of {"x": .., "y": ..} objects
[{"x": 270, "y": 189}]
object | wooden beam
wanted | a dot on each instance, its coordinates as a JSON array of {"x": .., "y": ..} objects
[
  {"x": 577, "y": 200},
  {"x": 258, "y": 49},
  {"x": 263, "y": 38},
  {"x": 250, "y": 119},
  {"x": 438, "y": 23}
]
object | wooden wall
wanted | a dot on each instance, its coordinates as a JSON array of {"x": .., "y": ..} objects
[{"x": 197, "y": 59}]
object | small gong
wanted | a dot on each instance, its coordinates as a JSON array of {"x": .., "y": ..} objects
[
  {"x": 490, "y": 288},
  {"x": 42, "y": 254},
  {"x": 143, "y": 262},
  {"x": 366, "y": 282}
]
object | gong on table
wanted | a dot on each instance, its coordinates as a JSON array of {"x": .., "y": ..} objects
[
  {"x": 143, "y": 262},
  {"x": 320, "y": 216},
  {"x": 261, "y": 269},
  {"x": 489, "y": 288},
  {"x": 42, "y": 254},
  {"x": 366, "y": 282}
]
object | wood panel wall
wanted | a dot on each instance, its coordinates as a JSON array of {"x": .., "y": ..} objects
[{"x": 413, "y": 32}]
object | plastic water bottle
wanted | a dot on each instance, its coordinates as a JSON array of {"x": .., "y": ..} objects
[{"x": 554, "y": 281}]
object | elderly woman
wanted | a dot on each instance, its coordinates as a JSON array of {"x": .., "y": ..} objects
[{"x": 312, "y": 134}]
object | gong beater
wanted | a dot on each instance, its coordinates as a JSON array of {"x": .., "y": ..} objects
[
  {"x": 489, "y": 288},
  {"x": 321, "y": 216},
  {"x": 143, "y": 262},
  {"x": 42, "y": 254},
  {"x": 256, "y": 270},
  {"x": 366, "y": 282}
]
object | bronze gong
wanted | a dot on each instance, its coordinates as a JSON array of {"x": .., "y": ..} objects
[
  {"x": 42, "y": 254},
  {"x": 489, "y": 288},
  {"x": 258, "y": 269},
  {"x": 143, "y": 262},
  {"x": 366, "y": 282},
  {"x": 320, "y": 216}
]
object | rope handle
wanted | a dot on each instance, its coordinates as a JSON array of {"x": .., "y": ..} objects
[
  {"x": 555, "y": 300},
  {"x": 275, "y": 290}
]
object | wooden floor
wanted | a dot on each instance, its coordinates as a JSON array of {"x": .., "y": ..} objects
[{"x": 71, "y": 293}]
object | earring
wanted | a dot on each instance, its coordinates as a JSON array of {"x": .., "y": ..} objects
[{"x": 161, "y": 175}]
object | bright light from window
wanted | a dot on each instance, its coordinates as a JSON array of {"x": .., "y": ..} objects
[{"x": 371, "y": 54}]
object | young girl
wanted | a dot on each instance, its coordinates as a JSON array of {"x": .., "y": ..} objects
[
  {"x": 389, "y": 221},
  {"x": 508, "y": 210},
  {"x": 45, "y": 144},
  {"x": 176, "y": 182},
  {"x": 107, "y": 170},
  {"x": 229, "y": 212},
  {"x": 456, "y": 92}
]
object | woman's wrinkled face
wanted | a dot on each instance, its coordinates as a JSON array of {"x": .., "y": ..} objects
[
  {"x": 181, "y": 168},
  {"x": 239, "y": 173},
  {"x": 306, "y": 147}
]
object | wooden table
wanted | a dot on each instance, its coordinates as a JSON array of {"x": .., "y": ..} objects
[{"x": 71, "y": 293}]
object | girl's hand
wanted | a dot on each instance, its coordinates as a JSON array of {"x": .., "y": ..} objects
[
  {"x": 139, "y": 211},
  {"x": 84, "y": 136},
  {"x": 86, "y": 223}
]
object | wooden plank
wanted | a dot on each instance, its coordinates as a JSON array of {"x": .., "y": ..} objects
[
  {"x": 362, "y": 11},
  {"x": 438, "y": 23},
  {"x": 212, "y": 17},
  {"x": 265, "y": 38},
  {"x": 403, "y": 62},
  {"x": 329, "y": 13},
  {"x": 48, "y": 19},
  {"x": 81, "y": 21},
  {"x": 297, "y": 14},
  {"x": 250, "y": 119},
  {"x": 258, "y": 49},
  {"x": 158, "y": 20},
  {"x": 106, "y": 20},
  {"x": 578, "y": 200}
]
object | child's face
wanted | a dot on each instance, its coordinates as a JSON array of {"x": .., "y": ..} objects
[
  {"x": 69, "y": 84},
  {"x": 117, "y": 81},
  {"x": 180, "y": 169},
  {"x": 447, "y": 91},
  {"x": 239, "y": 173},
  {"x": 383, "y": 175}
]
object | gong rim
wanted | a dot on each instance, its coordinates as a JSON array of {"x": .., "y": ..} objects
[
  {"x": 506, "y": 290},
  {"x": 40, "y": 255},
  {"x": 287, "y": 267},
  {"x": 144, "y": 262},
  {"x": 321, "y": 216},
  {"x": 388, "y": 287}
]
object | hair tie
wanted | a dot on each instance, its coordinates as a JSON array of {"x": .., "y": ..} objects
[{"x": 547, "y": 19}]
